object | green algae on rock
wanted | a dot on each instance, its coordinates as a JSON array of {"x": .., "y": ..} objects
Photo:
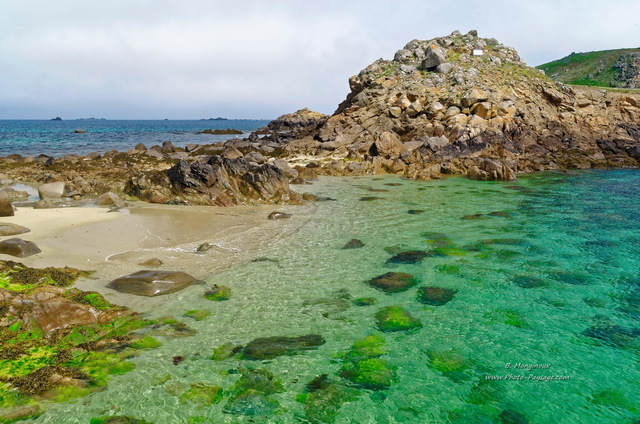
[
  {"x": 323, "y": 399},
  {"x": 202, "y": 395},
  {"x": 250, "y": 394},
  {"x": 363, "y": 367},
  {"x": 218, "y": 293},
  {"x": 198, "y": 314},
  {"x": 395, "y": 318}
]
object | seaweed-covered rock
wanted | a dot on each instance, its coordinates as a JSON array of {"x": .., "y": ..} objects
[
  {"x": 393, "y": 282},
  {"x": 528, "y": 281},
  {"x": 436, "y": 296},
  {"x": 323, "y": 401},
  {"x": 395, "y": 318},
  {"x": 365, "y": 301},
  {"x": 202, "y": 395},
  {"x": 152, "y": 283},
  {"x": 272, "y": 347},
  {"x": 120, "y": 419},
  {"x": 363, "y": 366},
  {"x": 18, "y": 248},
  {"x": 218, "y": 293},
  {"x": 372, "y": 373}
]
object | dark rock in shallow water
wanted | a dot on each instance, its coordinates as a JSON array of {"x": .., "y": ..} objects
[
  {"x": 118, "y": 420},
  {"x": 272, "y": 347},
  {"x": 472, "y": 217},
  {"x": 8, "y": 229},
  {"x": 279, "y": 215},
  {"x": 509, "y": 416},
  {"x": 18, "y": 248},
  {"x": 370, "y": 198},
  {"x": 500, "y": 214},
  {"x": 152, "y": 283},
  {"x": 573, "y": 278},
  {"x": 408, "y": 257},
  {"x": 153, "y": 263},
  {"x": 614, "y": 335},
  {"x": 436, "y": 296},
  {"x": 393, "y": 282},
  {"x": 528, "y": 282},
  {"x": 415, "y": 211},
  {"x": 395, "y": 318},
  {"x": 365, "y": 301},
  {"x": 353, "y": 244}
]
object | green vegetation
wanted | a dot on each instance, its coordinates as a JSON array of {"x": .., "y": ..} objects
[{"x": 600, "y": 69}]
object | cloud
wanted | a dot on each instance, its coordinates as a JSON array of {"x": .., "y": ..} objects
[{"x": 197, "y": 58}]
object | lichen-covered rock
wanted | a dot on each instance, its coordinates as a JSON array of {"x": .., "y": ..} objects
[{"x": 152, "y": 283}]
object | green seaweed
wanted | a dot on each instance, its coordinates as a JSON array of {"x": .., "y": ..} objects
[
  {"x": 198, "y": 314},
  {"x": 147, "y": 342},
  {"x": 202, "y": 395},
  {"x": 372, "y": 373},
  {"x": 218, "y": 293}
]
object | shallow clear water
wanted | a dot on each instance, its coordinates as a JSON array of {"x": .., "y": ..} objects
[
  {"x": 57, "y": 138},
  {"x": 552, "y": 279}
]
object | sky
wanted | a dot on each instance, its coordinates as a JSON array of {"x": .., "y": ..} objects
[{"x": 255, "y": 59}]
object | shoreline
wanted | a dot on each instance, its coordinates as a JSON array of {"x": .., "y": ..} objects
[{"x": 114, "y": 244}]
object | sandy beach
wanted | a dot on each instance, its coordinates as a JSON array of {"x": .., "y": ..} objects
[{"x": 115, "y": 243}]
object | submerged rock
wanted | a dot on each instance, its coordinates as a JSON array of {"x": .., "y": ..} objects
[
  {"x": 393, "y": 282},
  {"x": 152, "y": 283},
  {"x": 353, "y": 244},
  {"x": 395, "y": 318},
  {"x": 408, "y": 257},
  {"x": 362, "y": 364},
  {"x": 436, "y": 296},
  {"x": 252, "y": 403},
  {"x": 218, "y": 293},
  {"x": 18, "y": 248},
  {"x": 272, "y": 347},
  {"x": 528, "y": 282}
]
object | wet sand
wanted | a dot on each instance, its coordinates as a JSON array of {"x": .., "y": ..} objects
[{"x": 114, "y": 243}]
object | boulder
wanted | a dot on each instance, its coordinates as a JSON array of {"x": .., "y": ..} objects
[
  {"x": 393, "y": 282},
  {"x": 43, "y": 204},
  {"x": 110, "y": 199},
  {"x": 6, "y": 207},
  {"x": 51, "y": 190},
  {"x": 152, "y": 283},
  {"x": 387, "y": 145},
  {"x": 59, "y": 312},
  {"x": 434, "y": 56},
  {"x": 8, "y": 229},
  {"x": 18, "y": 248}
]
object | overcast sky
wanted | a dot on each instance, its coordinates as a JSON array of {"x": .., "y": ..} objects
[{"x": 191, "y": 59}]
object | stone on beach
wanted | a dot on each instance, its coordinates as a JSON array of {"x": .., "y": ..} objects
[
  {"x": 9, "y": 229},
  {"x": 18, "y": 248},
  {"x": 152, "y": 283},
  {"x": 110, "y": 199},
  {"x": 6, "y": 207},
  {"x": 279, "y": 215},
  {"x": 51, "y": 190}
]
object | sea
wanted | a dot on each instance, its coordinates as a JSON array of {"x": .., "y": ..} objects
[
  {"x": 542, "y": 325},
  {"x": 59, "y": 138}
]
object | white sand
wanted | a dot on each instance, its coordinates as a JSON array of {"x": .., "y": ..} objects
[{"x": 115, "y": 243}]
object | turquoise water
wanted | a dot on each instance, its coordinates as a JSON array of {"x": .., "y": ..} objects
[
  {"x": 57, "y": 138},
  {"x": 546, "y": 270}
]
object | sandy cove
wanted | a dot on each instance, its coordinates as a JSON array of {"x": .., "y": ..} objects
[{"x": 114, "y": 243}]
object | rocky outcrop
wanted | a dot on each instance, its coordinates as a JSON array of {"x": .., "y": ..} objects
[
  {"x": 215, "y": 181},
  {"x": 462, "y": 104},
  {"x": 299, "y": 123}
]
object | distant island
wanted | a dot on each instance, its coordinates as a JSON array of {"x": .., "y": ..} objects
[
  {"x": 91, "y": 119},
  {"x": 219, "y": 132},
  {"x": 57, "y": 118},
  {"x": 216, "y": 119}
]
